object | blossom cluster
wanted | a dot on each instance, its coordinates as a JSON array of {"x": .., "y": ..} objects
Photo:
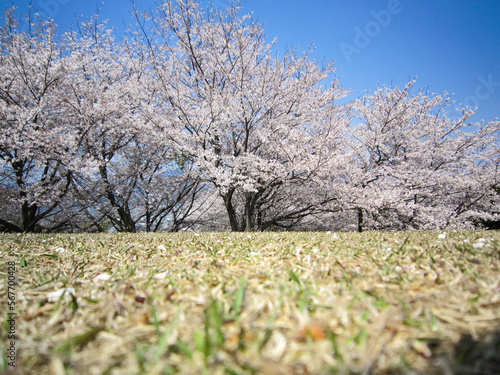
[{"x": 192, "y": 116}]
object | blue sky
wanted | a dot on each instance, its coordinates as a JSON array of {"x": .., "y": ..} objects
[{"x": 449, "y": 45}]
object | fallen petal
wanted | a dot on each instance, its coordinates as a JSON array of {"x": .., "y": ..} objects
[
  {"x": 54, "y": 296},
  {"x": 102, "y": 277},
  {"x": 161, "y": 275}
]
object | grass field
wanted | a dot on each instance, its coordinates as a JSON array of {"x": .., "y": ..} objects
[{"x": 253, "y": 303}]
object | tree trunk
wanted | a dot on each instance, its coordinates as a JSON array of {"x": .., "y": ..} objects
[
  {"x": 360, "y": 220},
  {"x": 231, "y": 212},
  {"x": 126, "y": 222},
  {"x": 28, "y": 210},
  {"x": 126, "y": 219},
  {"x": 249, "y": 212},
  {"x": 28, "y": 213}
]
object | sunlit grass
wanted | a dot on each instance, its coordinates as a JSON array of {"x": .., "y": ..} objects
[{"x": 253, "y": 303}]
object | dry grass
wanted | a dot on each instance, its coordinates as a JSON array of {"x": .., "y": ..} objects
[{"x": 266, "y": 303}]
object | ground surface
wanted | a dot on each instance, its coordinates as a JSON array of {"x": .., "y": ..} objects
[{"x": 266, "y": 303}]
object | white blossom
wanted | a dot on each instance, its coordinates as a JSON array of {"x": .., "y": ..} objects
[
  {"x": 102, "y": 277},
  {"x": 56, "y": 295}
]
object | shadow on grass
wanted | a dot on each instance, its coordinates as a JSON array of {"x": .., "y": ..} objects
[
  {"x": 466, "y": 357},
  {"x": 476, "y": 357}
]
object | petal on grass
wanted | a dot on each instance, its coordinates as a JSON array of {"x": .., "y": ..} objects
[
  {"x": 161, "y": 275},
  {"x": 54, "y": 296},
  {"x": 479, "y": 243},
  {"x": 102, "y": 277}
]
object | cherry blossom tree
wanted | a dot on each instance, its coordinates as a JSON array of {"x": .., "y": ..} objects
[
  {"x": 194, "y": 114},
  {"x": 139, "y": 179},
  {"x": 414, "y": 167},
  {"x": 262, "y": 129},
  {"x": 37, "y": 149}
]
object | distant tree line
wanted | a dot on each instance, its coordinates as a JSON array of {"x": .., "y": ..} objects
[{"x": 192, "y": 122}]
